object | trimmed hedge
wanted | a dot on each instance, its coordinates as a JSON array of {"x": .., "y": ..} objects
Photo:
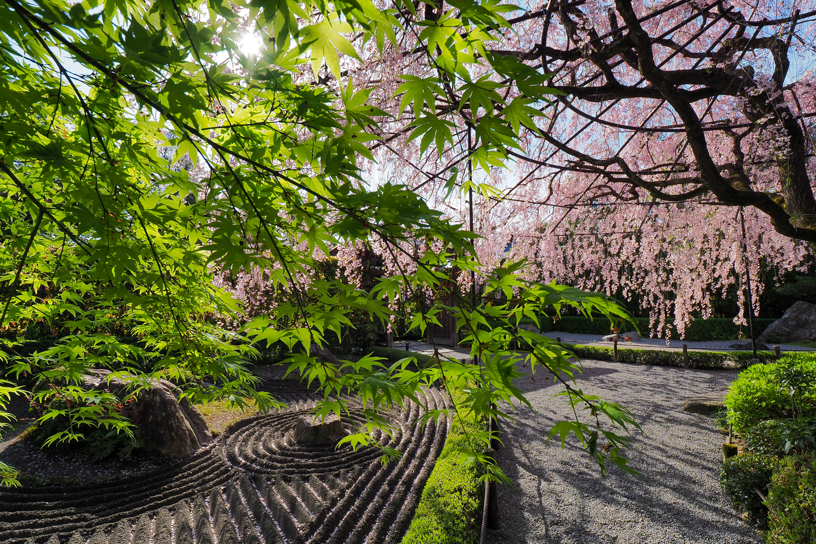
[
  {"x": 699, "y": 330},
  {"x": 792, "y": 502},
  {"x": 746, "y": 476},
  {"x": 449, "y": 510},
  {"x": 762, "y": 392},
  {"x": 703, "y": 359}
]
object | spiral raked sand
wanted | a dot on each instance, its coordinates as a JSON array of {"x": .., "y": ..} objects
[{"x": 254, "y": 485}]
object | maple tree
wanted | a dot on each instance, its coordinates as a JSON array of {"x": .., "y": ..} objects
[
  {"x": 632, "y": 135},
  {"x": 146, "y": 155}
]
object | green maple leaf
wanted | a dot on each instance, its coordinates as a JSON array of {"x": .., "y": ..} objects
[
  {"x": 326, "y": 40},
  {"x": 419, "y": 91},
  {"x": 434, "y": 129},
  {"x": 520, "y": 113},
  {"x": 481, "y": 93}
]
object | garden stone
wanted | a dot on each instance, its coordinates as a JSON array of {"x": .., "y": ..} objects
[
  {"x": 529, "y": 328},
  {"x": 706, "y": 404},
  {"x": 798, "y": 323},
  {"x": 166, "y": 425},
  {"x": 632, "y": 335},
  {"x": 325, "y": 355},
  {"x": 749, "y": 346},
  {"x": 309, "y": 432}
]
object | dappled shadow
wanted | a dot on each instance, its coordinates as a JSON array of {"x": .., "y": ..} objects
[{"x": 559, "y": 496}]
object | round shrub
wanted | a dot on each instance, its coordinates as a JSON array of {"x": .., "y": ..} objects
[
  {"x": 745, "y": 479},
  {"x": 792, "y": 502},
  {"x": 781, "y": 390},
  {"x": 782, "y": 437},
  {"x": 766, "y": 438}
]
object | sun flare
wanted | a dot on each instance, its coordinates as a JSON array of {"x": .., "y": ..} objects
[{"x": 250, "y": 44}]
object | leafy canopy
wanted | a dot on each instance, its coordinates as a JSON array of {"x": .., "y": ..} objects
[{"x": 141, "y": 150}]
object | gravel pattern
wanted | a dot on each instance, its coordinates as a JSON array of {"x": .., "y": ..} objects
[
  {"x": 253, "y": 485},
  {"x": 558, "y": 495}
]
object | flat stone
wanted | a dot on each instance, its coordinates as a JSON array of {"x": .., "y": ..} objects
[
  {"x": 630, "y": 336},
  {"x": 312, "y": 432},
  {"x": 706, "y": 404},
  {"x": 749, "y": 346}
]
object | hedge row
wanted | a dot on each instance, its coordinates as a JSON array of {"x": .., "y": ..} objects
[
  {"x": 449, "y": 510},
  {"x": 792, "y": 502},
  {"x": 698, "y": 331},
  {"x": 700, "y": 359}
]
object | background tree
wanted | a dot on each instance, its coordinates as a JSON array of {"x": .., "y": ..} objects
[{"x": 668, "y": 120}]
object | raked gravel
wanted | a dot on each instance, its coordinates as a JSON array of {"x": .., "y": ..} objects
[{"x": 558, "y": 495}]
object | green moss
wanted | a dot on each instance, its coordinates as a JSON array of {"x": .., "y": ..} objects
[
  {"x": 804, "y": 343},
  {"x": 449, "y": 510}
]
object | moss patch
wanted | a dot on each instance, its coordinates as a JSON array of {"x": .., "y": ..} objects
[
  {"x": 449, "y": 510},
  {"x": 219, "y": 415}
]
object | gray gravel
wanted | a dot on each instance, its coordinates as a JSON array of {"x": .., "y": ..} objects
[{"x": 558, "y": 495}]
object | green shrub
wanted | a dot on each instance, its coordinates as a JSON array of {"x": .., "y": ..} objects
[
  {"x": 745, "y": 479},
  {"x": 792, "y": 502},
  {"x": 764, "y": 438},
  {"x": 781, "y": 437},
  {"x": 781, "y": 390},
  {"x": 698, "y": 330},
  {"x": 702, "y": 359}
]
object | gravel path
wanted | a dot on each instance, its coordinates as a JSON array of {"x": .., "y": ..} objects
[{"x": 559, "y": 496}]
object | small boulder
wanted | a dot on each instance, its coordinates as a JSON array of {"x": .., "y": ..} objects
[
  {"x": 706, "y": 404},
  {"x": 165, "y": 425},
  {"x": 798, "y": 323},
  {"x": 308, "y": 432},
  {"x": 529, "y": 327}
]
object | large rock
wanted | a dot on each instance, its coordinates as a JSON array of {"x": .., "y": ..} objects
[
  {"x": 706, "y": 404},
  {"x": 309, "y": 432},
  {"x": 165, "y": 425},
  {"x": 798, "y": 323}
]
